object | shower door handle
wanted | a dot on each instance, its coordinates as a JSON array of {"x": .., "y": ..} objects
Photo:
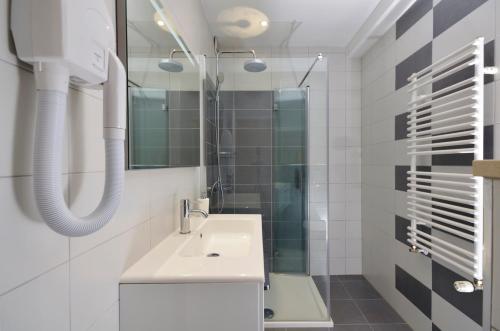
[{"x": 299, "y": 182}]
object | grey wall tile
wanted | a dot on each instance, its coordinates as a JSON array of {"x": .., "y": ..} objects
[
  {"x": 253, "y": 155},
  {"x": 414, "y": 63},
  {"x": 256, "y": 119},
  {"x": 449, "y": 12},
  {"x": 253, "y": 174},
  {"x": 412, "y": 16},
  {"x": 262, "y": 192},
  {"x": 253, "y": 137},
  {"x": 253, "y": 99}
]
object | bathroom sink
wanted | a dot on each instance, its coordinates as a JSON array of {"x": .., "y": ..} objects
[
  {"x": 221, "y": 248},
  {"x": 220, "y": 238}
]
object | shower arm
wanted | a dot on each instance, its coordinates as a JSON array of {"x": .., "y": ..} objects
[
  {"x": 219, "y": 53},
  {"x": 174, "y": 51}
]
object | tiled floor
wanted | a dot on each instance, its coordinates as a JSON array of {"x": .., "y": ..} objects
[{"x": 357, "y": 306}]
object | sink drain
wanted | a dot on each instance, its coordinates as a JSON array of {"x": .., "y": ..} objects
[
  {"x": 213, "y": 255},
  {"x": 268, "y": 313}
]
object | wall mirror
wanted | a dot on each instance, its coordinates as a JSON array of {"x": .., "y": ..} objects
[{"x": 163, "y": 88}]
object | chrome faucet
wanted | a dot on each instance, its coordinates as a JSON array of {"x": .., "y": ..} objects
[{"x": 186, "y": 212}]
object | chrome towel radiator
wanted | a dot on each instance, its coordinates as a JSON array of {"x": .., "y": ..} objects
[{"x": 448, "y": 120}]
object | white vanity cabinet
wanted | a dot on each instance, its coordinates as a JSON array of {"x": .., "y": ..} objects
[{"x": 209, "y": 280}]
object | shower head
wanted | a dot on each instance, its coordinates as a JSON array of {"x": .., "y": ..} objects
[
  {"x": 171, "y": 65},
  {"x": 255, "y": 65}
]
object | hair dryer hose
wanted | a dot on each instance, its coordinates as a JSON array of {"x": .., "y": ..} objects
[{"x": 47, "y": 172}]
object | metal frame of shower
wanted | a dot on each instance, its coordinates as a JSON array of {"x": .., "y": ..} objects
[
  {"x": 451, "y": 202},
  {"x": 318, "y": 58}
]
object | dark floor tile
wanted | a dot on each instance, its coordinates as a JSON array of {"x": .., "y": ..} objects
[
  {"x": 361, "y": 289},
  {"x": 334, "y": 279},
  {"x": 338, "y": 291},
  {"x": 346, "y": 312},
  {"x": 390, "y": 327},
  {"x": 378, "y": 311},
  {"x": 350, "y": 277},
  {"x": 356, "y": 327}
]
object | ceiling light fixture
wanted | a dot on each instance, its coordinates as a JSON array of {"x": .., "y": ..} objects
[
  {"x": 160, "y": 23},
  {"x": 242, "y": 22}
]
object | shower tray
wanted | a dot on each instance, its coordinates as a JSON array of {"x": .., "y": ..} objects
[{"x": 295, "y": 302}]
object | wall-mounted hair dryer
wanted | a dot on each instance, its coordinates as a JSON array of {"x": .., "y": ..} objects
[{"x": 71, "y": 41}]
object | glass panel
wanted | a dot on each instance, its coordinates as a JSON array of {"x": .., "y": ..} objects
[
  {"x": 164, "y": 98},
  {"x": 290, "y": 242},
  {"x": 272, "y": 153}
]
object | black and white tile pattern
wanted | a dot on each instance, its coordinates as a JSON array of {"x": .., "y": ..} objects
[{"x": 425, "y": 298}]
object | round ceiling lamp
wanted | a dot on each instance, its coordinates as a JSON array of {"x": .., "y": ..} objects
[{"x": 242, "y": 22}]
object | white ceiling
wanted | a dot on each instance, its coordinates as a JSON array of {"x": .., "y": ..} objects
[{"x": 330, "y": 23}]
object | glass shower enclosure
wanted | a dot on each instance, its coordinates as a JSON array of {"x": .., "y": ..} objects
[{"x": 272, "y": 161}]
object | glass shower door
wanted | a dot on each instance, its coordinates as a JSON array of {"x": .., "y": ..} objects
[
  {"x": 295, "y": 298},
  {"x": 290, "y": 249}
]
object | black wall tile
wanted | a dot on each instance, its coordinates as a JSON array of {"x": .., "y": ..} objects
[
  {"x": 466, "y": 159},
  {"x": 418, "y": 294},
  {"x": 401, "y": 224},
  {"x": 414, "y": 63},
  {"x": 489, "y": 60},
  {"x": 412, "y": 16},
  {"x": 449, "y": 12},
  {"x": 401, "y": 230},
  {"x": 401, "y": 176},
  {"x": 435, "y": 328},
  {"x": 401, "y": 126},
  {"x": 471, "y": 304},
  {"x": 488, "y": 142}
]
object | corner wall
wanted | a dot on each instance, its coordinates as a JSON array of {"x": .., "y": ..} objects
[
  {"x": 420, "y": 289},
  {"x": 54, "y": 283}
]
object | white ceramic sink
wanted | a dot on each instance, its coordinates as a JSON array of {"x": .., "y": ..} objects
[
  {"x": 221, "y": 238},
  {"x": 222, "y": 248}
]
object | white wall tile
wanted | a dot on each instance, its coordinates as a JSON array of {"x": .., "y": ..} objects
[
  {"x": 17, "y": 120},
  {"x": 85, "y": 194},
  {"x": 27, "y": 246},
  {"x": 42, "y": 304},
  {"x": 95, "y": 275}
]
